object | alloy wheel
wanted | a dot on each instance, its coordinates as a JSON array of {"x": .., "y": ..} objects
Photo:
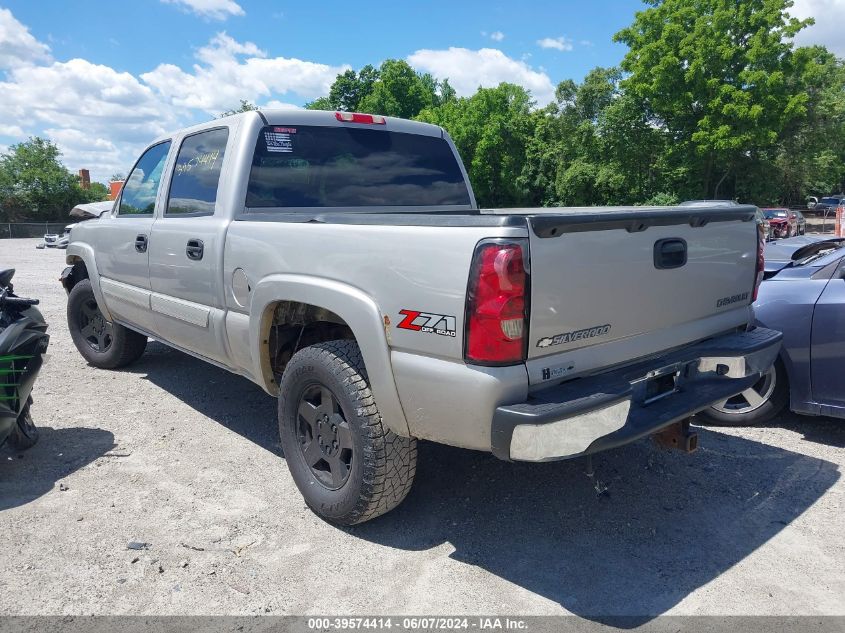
[
  {"x": 325, "y": 437},
  {"x": 95, "y": 329},
  {"x": 752, "y": 398}
]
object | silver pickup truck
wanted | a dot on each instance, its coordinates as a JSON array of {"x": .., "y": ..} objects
[{"x": 340, "y": 262}]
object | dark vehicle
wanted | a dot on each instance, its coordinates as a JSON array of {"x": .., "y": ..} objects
[
  {"x": 782, "y": 222},
  {"x": 804, "y": 297},
  {"x": 801, "y": 220},
  {"x": 23, "y": 341},
  {"x": 827, "y": 206}
]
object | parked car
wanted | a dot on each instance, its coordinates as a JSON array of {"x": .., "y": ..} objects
[
  {"x": 56, "y": 240},
  {"x": 827, "y": 206},
  {"x": 709, "y": 203},
  {"x": 800, "y": 220},
  {"x": 811, "y": 202},
  {"x": 340, "y": 261},
  {"x": 782, "y": 222},
  {"x": 804, "y": 297},
  {"x": 64, "y": 240}
]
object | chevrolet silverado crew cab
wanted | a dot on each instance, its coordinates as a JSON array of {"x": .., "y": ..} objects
[{"x": 340, "y": 262}]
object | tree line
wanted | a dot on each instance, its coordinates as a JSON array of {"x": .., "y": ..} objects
[
  {"x": 36, "y": 187},
  {"x": 712, "y": 100}
]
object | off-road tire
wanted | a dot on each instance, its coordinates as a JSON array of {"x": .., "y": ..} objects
[
  {"x": 126, "y": 345},
  {"x": 772, "y": 406},
  {"x": 382, "y": 464},
  {"x": 25, "y": 433}
]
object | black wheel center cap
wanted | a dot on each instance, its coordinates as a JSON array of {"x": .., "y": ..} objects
[{"x": 327, "y": 434}]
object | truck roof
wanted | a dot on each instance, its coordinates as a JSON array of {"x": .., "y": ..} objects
[{"x": 324, "y": 118}]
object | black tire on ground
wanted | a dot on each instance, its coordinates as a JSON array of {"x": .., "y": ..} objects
[
  {"x": 347, "y": 464},
  {"x": 772, "y": 394},
  {"x": 25, "y": 433},
  {"x": 103, "y": 344}
]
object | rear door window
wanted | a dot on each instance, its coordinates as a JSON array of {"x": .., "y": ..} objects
[
  {"x": 337, "y": 167},
  {"x": 139, "y": 193},
  {"x": 196, "y": 175}
]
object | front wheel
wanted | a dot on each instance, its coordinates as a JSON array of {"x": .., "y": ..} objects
[
  {"x": 347, "y": 464},
  {"x": 102, "y": 343},
  {"x": 758, "y": 404}
]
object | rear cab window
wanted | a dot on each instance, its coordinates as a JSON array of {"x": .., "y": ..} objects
[{"x": 308, "y": 167}]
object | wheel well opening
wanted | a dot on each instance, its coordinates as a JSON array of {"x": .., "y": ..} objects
[
  {"x": 79, "y": 272},
  {"x": 296, "y": 325}
]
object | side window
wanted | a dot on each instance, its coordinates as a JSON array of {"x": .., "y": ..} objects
[
  {"x": 139, "y": 192},
  {"x": 193, "y": 188}
]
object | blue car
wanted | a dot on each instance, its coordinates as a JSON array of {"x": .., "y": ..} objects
[{"x": 803, "y": 296}]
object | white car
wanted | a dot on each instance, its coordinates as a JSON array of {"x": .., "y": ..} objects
[{"x": 59, "y": 241}]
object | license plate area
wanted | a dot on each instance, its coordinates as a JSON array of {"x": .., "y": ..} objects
[{"x": 658, "y": 384}]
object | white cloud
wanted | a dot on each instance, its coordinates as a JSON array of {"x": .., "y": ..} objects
[
  {"x": 11, "y": 130},
  {"x": 827, "y": 31},
  {"x": 213, "y": 9},
  {"x": 279, "y": 105},
  {"x": 231, "y": 71},
  {"x": 17, "y": 45},
  {"x": 497, "y": 36},
  {"x": 557, "y": 43},
  {"x": 488, "y": 67},
  {"x": 99, "y": 118}
]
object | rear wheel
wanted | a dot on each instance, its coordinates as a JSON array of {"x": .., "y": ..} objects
[
  {"x": 758, "y": 404},
  {"x": 347, "y": 464},
  {"x": 102, "y": 343}
]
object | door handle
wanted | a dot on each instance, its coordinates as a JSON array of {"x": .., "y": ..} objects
[
  {"x": 194, "y": 249},
  {"x": 141, "y": 243}
]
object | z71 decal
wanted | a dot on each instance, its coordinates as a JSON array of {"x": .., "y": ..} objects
[{"x": 428, "y": 323}]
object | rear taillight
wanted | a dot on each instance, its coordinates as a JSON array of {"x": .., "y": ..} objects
[
  {"x": 761, "y": 265},
  {"x": 497, "y": 304},
  {"x": 355, "y": 117}
]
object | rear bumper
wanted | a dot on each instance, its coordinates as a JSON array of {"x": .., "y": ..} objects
[{"x": 592, "y": 414}]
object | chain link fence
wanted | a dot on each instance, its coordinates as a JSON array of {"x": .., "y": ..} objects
[{"x": 30, "y": 229}]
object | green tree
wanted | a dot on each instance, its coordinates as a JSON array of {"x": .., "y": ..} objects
[
  {"x": 320, "y": 103},
  {"x": 491, "y": 130},
  {"x": 34, "y": 185},
  {"x": 97, "y": 192},
  {"x": 399, "y": 91},
  {"x": 714, "y": 75},
  {"x": 350, "y": 88},
  {"x": 245, "y": 106}
]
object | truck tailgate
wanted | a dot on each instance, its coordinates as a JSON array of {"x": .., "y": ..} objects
[{"x": 600, "y": 277}]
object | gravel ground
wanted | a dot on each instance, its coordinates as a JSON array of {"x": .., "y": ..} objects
[{"x": 185, "y": 457}]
